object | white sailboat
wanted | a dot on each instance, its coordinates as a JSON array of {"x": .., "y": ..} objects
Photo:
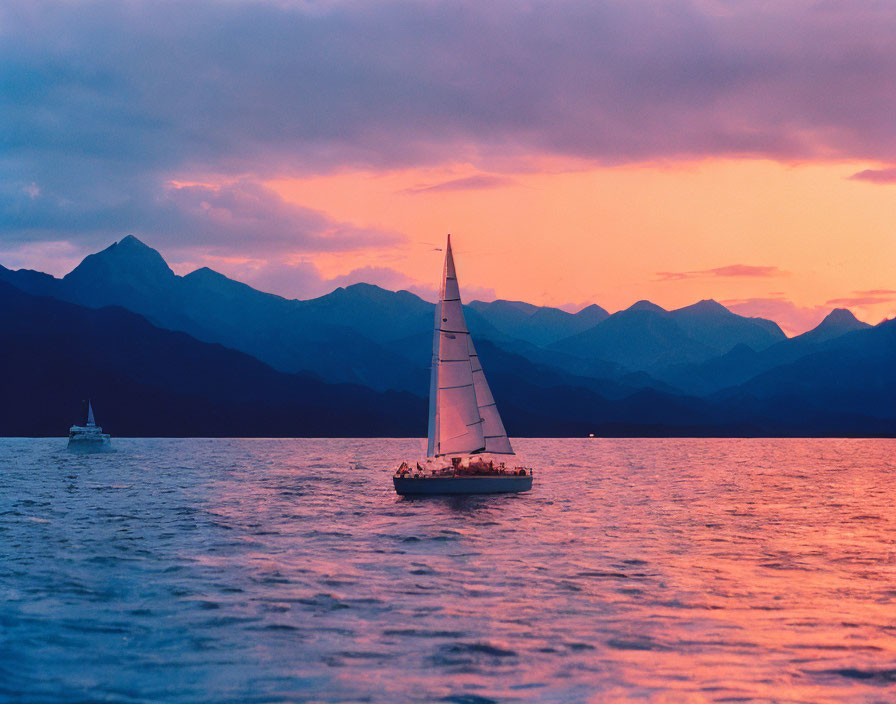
[
  {"x": 465, "y": 428},
  {"x": 88, "y": 437}
]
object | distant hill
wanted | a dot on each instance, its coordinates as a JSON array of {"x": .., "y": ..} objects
[
  {"x": 743, "y": 362},
  {"x": 539, "y": 326},
  {"x": 836, "y": 323},
  {"x": 289, "y": 335},
  {"x": 146, "y": 381},
  {"x": 847, "y": 386},
  {"x": 645, "y": 337},
  {"x": 361, "y": 333},
  {"x": 698, "y": 370}
]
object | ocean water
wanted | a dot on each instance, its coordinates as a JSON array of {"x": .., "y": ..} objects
[{"x": 190, "y": 571}]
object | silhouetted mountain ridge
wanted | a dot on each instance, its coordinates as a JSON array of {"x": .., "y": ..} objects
[
  {"x": 584, "y": 368},
  {"x": 146, "y": 381}
]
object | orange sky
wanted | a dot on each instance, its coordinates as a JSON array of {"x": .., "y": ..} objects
[
  {"x": 603, "y": 235},
  {"x": 579, "y": 152}
]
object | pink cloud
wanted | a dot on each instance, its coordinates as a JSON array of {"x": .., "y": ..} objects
[
  {"x": 875, "y": 175},
  {"x": 864, "y": 298},
  {"x": 56, "y": 258},
  {"x": 470, "y": 183},
  {"x": 304, "y": 280},
  {"x": 730, "y": 271},
  {"x": 792, "y": 318}
]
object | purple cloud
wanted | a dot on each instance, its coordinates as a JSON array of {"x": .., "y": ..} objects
[
  {"x": 221, "y": 216},
  {"x": 732, "y": 271},
  {"x": 105, "y": 102},
  {"x": 304, "y": 280},
  {"x": 470, "y": 183},
  {"x": 876, "y": 175},
  {"x": 864, "y": 298},
  {"x": 220, "y": 219},
  {"x": 346, "y": 83},
  {"x": 792, "y": 318}
]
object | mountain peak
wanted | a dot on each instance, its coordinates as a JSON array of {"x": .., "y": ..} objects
[
  {"x": 126, "y": 260},
  {"x": 592, "y": 314},
  {"x": 355, "y": 294},
  {"x": 842, "y": 318},
  {"x": 646, "y": 305},
  {"x": 500, "y": 304},
  {"x": 838, "y": 322},
  {"x": 204, "y": 273},
  {"x": 368, "y": 292},
  {"x": 708, "y": 305},
  {"x": 363, "y": 287},
  {"x": 131, "y": 241},
  {"x": 132, "y": 249}
]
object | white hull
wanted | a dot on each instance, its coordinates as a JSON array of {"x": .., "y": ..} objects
[
  {"x": 90, "y": 443},
  {"x": 445, "y": 486}
]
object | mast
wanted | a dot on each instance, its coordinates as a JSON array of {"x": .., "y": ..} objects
[{"x": 455, "y": 425}]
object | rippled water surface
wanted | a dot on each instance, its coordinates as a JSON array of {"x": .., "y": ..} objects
[{"x": 289, "y": 571}]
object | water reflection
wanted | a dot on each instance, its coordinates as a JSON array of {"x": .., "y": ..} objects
[{"x": 281, "y": 570}]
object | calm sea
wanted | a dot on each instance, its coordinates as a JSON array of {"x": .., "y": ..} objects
[{"x": 289, "y": 571}]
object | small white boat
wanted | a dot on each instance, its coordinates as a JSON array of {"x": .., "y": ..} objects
[
  {"x": 466, "y": 435},
  {"x": 90, "y": 437}
]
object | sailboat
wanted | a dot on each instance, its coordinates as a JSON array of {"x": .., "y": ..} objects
[
  {"x": 88, "y": 437},
  {"x": 466, "y": 437}
]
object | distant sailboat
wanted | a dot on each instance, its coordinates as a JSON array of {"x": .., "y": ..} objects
[
  {"x": 88, "y": 437},
  {"x": 464, "y": 424}
]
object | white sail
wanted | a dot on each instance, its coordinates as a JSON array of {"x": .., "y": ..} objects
[
  {"x": 496, "y": 439},
  {"x": 90, "y": 420},
  {"x": 455, "y": 426}
]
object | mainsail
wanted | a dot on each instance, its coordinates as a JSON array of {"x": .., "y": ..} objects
[
  {"x": 463, "y": 418},
  {"x": 90, "y": 420}
]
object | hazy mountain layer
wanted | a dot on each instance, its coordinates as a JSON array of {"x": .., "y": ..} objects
[{"x": 382, "y": 339}]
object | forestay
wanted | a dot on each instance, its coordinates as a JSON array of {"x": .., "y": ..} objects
[{"x": 463, "y": 418}]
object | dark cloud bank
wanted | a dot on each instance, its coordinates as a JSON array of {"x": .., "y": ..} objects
[{"x": 103, "y": 103}]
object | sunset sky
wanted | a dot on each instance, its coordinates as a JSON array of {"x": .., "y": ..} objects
[{"x": 578, "y": 152}]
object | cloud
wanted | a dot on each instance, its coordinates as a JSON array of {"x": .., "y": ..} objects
[
  {"x": 303, "y": 280},
  {"x": 221, "y": 218},
  {"x": 792, "y": 318},
  {"x": 270, "y": 84},
  {"x": 731, "y": 271},
  {"x": 56, "y": 258},
  {"x": 470, "y": 183},
  {"x": 864, "y": 298},
  {"x": 105, "y": 103},
  {"x": 876, "y": 175},
  {"x": 236, "y": 212}
]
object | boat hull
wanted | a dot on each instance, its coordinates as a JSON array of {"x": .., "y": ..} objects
[
  {"x": 449, "y": 486},
  {"x": 94, "y": 444}
]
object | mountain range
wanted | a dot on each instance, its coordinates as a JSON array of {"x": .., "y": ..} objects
[{"x": 356, "y": 361}]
